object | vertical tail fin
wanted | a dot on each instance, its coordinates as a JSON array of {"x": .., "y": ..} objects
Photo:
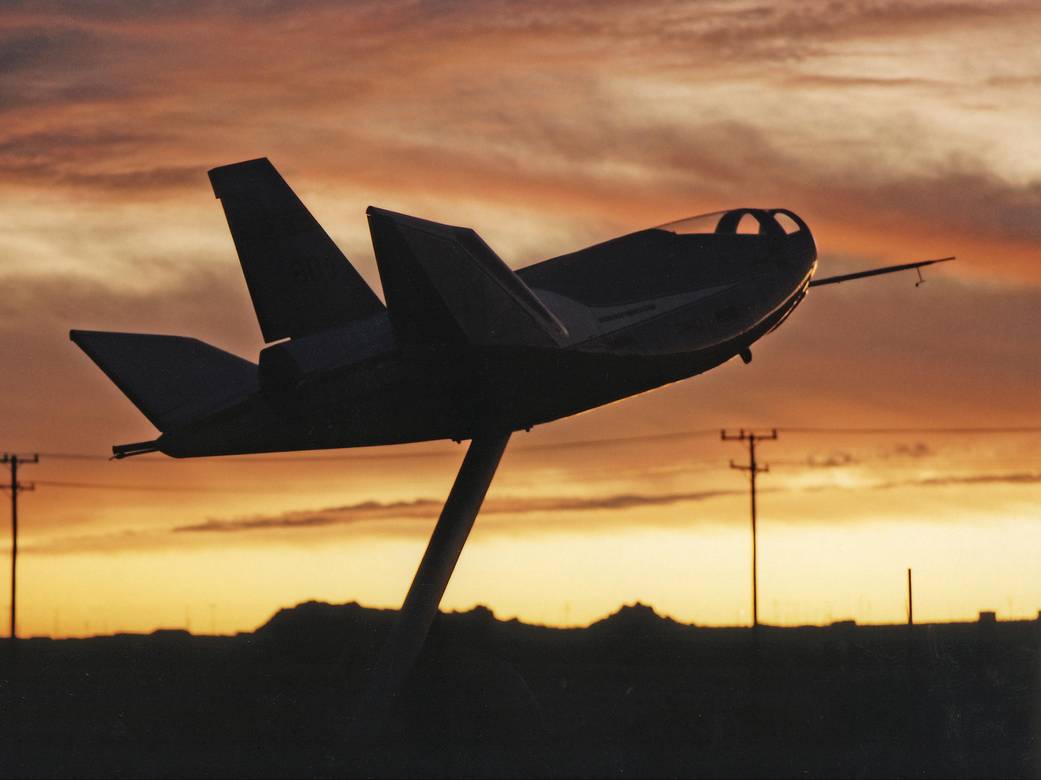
[
  {"x": 300, "y": 282},
  {"x": 443, "y": 283}
]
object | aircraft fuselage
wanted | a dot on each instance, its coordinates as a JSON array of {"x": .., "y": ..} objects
[{"x": 639, "y": 311}]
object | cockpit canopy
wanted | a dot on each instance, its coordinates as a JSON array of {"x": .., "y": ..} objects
[{"x": 743, "y": 221}]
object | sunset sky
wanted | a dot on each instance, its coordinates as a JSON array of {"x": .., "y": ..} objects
[{"x": 897, "y": 130}]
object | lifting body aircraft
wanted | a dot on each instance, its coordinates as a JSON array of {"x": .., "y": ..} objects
[{"x": 465, "y": 348}]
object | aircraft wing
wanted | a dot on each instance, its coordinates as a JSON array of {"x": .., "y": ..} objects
[
  {"x": 443, "y": 284},
  {"x": 889, "y": 269}
]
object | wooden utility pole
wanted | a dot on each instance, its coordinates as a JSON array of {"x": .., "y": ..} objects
[
  {"x": 753, "y": 468},
  {"x": 910, "y": 600},
  {"x": 13, "y": 461}
]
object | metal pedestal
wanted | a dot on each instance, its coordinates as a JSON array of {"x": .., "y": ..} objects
[{"x": 406, "y": 638}]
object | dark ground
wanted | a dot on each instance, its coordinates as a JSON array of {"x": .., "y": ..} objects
[{"x": 633, "y": 695}]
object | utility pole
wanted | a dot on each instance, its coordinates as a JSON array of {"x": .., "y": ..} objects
[
  {"x": 753, "y": 468},
  {"x": 13, "y": 461},
  {"x": 910, "y": 601}
]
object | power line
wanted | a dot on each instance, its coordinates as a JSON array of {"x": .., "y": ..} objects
[
  {"x": 945, "y": 467},
  {"x": 969, "y": 431},
  {"x": 160, "y": 488},
  {"x": 932, "y": 461},
  {"x": 13, "y": 460},
  {"x": 577, "y": 443},
  {"x": 249, "y": 458},
  {"x": 253, "y": 490},
  {"x": 74, "y": 456}
]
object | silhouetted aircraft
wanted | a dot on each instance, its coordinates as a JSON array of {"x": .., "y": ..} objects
[{"x": 464, "y": 348}]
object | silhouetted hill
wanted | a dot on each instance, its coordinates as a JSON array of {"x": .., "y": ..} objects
[
  {"x": 634, "y": 694},
  {"x": 637, "y": 619},
  {"x": 316, "y": 630}
]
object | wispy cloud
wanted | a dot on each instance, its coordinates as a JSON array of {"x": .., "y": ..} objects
[
  {"x": 427, "y": 509},
  {"x": 1012, "y": 478},
  {"x": 394, "y": 519},
  {"x": 505, "y": 515}
]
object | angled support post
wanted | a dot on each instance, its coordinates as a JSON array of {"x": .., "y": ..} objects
[{"x": 406, "y": 638}]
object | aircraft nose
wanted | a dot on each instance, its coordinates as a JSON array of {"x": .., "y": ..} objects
[{"x": 798, "y": 244}]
